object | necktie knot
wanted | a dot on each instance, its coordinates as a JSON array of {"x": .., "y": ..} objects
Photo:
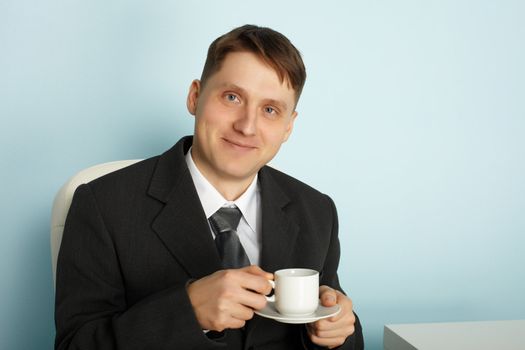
[
  {"x": 224, "y": 223},
  {"x": 225, "y": 219}
]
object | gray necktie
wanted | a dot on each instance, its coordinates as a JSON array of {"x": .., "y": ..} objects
[{"x": 224, "y": 223}]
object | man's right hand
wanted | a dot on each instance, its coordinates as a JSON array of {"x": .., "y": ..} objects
[{"x": 228, "y": 298}]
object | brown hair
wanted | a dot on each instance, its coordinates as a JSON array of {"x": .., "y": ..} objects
[{"x": 270, "y": 46}]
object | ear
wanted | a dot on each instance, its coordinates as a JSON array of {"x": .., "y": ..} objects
[
  {"x": 289, "y": 127},
  {"x": 193, "y": 96}
]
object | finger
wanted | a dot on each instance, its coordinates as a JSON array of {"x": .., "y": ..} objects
[
  {"x": 242, "y": 312},
  {"x": 256, "y": 282},
  {"x": 346, "y": 308},
  {"x": 236, "y": 323},
  {"x": 327, "y": 342},
  {"x": 256, "y": 270},
  {"x": 250, "y": 299},
  {"x": 323, "y": 326},
  {"x": 327, "y": 296},
  {"x": 230, "y": 323},
  {"x": 343, "y": 314},
  {"x": 228, "y": 315},
  {"x": 344, "y": 318},
  {"x": 343, "y": 330},
  {"x": 244, "y": 279},
  {"x": 328, "y": 338}
]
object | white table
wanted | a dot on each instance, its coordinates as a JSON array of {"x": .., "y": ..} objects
[{"x": 493, "y": 335}]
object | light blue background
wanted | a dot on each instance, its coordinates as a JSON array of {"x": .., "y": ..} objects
[{"x": 412, "y": 119}]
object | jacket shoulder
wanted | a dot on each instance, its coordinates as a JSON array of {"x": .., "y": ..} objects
[
  {"x": 131, "y": 177},
  {"x": 292, "y": 186}
]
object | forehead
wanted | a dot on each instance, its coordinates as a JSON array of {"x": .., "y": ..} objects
[{"x": 253, "y": 75}]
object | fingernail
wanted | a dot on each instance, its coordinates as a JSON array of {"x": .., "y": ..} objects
[{"x": 330, "y": 297}]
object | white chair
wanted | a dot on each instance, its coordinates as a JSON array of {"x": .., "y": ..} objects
[{"x": 65, "y": 195}]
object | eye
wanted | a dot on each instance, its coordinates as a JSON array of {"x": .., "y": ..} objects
[
  {"x": 270, "y": 110},
  {"x": 232, "y": 98}
]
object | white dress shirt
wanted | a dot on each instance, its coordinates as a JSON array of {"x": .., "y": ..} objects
[{"x": 249, "y": 203}]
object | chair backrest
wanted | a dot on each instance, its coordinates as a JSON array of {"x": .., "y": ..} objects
[{"x": 64, "y": 196}]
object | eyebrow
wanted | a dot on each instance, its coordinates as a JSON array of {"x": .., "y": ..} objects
[{"x": 277, "y": 103}]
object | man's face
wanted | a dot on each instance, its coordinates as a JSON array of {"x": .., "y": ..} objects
[{"x": 242, "y": 116}]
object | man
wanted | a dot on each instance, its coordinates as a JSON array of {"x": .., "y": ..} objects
[{"x": 139, "y": 268}]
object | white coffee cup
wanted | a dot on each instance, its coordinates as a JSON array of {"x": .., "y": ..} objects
[{"x": 296, "y": 291}]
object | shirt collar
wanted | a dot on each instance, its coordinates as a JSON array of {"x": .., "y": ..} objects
[{"x": 212, "y": 200}]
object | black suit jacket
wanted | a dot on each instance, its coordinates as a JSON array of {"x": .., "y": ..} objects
[{"x": 134, "y": 238}]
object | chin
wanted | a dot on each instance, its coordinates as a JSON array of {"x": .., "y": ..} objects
[{"x": 240, "y": 171}]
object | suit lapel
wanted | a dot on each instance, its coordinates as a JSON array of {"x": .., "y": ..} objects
[
  {"x": 182, "y": 224},
  {"x": 279, "y": 230},
  {"x": 279, "y": 234}
]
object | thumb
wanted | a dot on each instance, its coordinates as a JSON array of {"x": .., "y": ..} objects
[{"x": 328, "y": 296}]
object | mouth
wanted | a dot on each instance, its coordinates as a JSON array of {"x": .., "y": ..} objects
[{"x": 239, "y": 144}]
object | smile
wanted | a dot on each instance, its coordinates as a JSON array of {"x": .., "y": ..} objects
[{"x": 239, "y": 144}]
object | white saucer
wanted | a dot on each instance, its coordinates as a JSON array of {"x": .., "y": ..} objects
[{"x": 269, "y": 311}]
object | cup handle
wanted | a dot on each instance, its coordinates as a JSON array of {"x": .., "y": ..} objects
[{"x": 271, "y": 298}]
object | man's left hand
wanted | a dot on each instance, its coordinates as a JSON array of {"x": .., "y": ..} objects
[{"x": 332, "y": 332}]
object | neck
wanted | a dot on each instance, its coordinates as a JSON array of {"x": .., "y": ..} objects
[{"x": 231, "y": 190}]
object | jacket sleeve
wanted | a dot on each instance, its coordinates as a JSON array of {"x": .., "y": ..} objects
[
  {"x": 330, "y": 278},
  {"x": 91, "y": 311}
]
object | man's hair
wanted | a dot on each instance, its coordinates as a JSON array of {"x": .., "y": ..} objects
[{"x": 270, "y": 46}]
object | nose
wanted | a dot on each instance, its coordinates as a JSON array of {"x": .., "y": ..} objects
[{"x": 246, "y": 123}]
